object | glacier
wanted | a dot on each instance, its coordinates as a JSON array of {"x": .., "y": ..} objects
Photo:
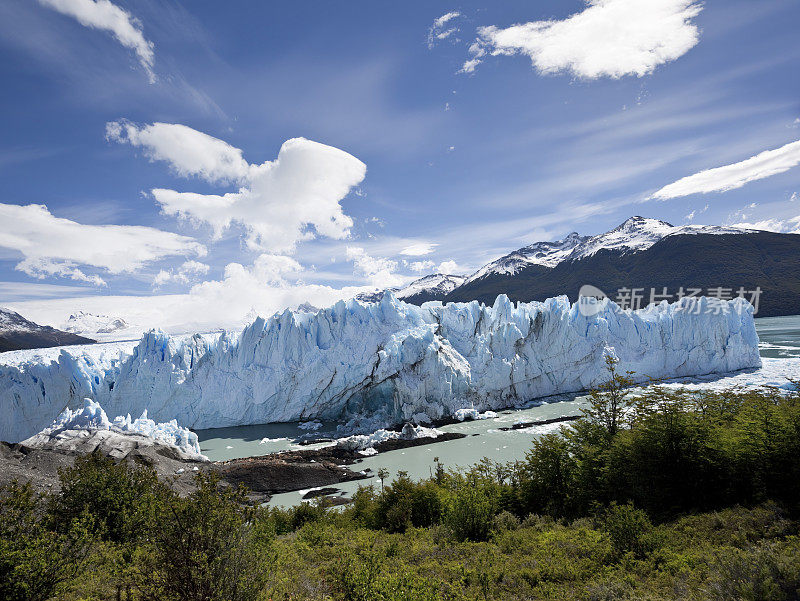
[{"x": 374, "y": 365}]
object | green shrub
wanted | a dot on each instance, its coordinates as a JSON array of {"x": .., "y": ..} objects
[
  {"x": 36, "y": 562},
  {"x": 505, "y": 520},
  {"x": 208, "y": 546},
  {"x": 121, "y": 497},
  {"x": 469, "y": 514},
  {"x": 405, "y": 503},
  {"x": 627, "y": 527}
]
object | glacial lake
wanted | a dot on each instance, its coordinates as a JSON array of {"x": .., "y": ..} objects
[{"x": 779, "y": 338}]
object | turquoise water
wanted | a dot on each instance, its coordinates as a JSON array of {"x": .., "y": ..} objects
[{"x": 779, "y": 337}]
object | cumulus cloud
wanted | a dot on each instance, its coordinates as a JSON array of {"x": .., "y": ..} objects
[
  {"x": 443, "y": 28},
  {"x": 418, "y": 250},
  {"x": 187, "y": 151},
  {"x": 188, "y": 271},
  {"x": 242, "y": 293},
  {"x": 55, "y": 246},
  {"x": 266, "y": 286},
  {"x": 449, "y": 268},
  {"x": 280, "y": 203},
  {"x": 378, "y": 270},
  {"x": 610, "y": 38},
  {"x": 730, "y": 177},
  {"x": 421, "y": 266},
  {"x": 106, "y": 16},
  {"x": 781, "y": 226}
]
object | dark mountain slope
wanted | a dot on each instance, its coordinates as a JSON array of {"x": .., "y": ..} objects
[
  {"x": 759, "y": 259},
  {"x": 18, "y": 333}
]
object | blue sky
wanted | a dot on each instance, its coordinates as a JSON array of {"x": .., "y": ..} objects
[{"x": 555, "y": 127}]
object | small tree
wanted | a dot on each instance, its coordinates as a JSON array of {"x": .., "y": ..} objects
[
  {"x": 383, "y": 473},
  {"x": 469, "y": 514},
  {"x": 36, "y": 562},
  {"x": 208, "y": 547},
  {"x": 610, "y": 403},
  {"x": 120, "y": 496}
]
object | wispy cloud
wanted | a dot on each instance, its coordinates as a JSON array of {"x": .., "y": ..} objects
[
  {"x": 443, "y": 28},
  {"x": 106, "y": 16},
  {"x": 610, "y": 38},
  {"x": 53, "y": 246},
  {"x": 419, "y": 249},
  {"x": 736, "y": 175},
  {"x": 782, "y": 226}
]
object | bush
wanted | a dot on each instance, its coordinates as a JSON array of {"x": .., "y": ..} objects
[
  {"x": 35, "y": 562},
  {"x": 208, "y": 546},
  {"x": 405, "y": 503},
  {"x": 505, "y": 520},
  {"x": 765, "y": 572},
  {"x": 469, "y": 514},
  {"x": 362, "y": 577},
  {"x": 627, "y": 527},
  {"x": 121, "y": 497}
]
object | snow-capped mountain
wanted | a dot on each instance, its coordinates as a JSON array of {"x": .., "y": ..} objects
[
  {"x": 548, "y": 254},
  {"x": 17, "y": 333},
  {"x": 89, "y": 323},
  {"x": 639, "y": 253},
  {"x": 633, "y": 235},
  {"x": 436, "y": 284}
]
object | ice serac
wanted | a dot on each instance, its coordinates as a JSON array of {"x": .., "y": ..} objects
[{"x": 376, "y": 364}]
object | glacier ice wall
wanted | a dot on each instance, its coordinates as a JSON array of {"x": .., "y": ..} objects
[{"x": 377, "y": 364}]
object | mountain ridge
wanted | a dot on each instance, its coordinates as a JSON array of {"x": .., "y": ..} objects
[
  {"x": 18, "y": 333},
  {"x": 640, "y": 253}
]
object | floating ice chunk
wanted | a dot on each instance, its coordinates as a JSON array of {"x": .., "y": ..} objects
[
  {"x": 267, "y": 440},
  {"x": 312, "y": 426},
  {"x": 473, "y": 414},
  {"x": 361, "y": 442}
]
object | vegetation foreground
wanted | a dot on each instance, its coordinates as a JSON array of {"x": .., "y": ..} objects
[{"x": 673, "y": 495}]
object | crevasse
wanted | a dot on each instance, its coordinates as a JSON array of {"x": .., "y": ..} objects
[{"x": 378, "y": 364}]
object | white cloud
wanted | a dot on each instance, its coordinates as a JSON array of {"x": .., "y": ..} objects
[
  {"x": 610, "y": 38},
  {"x": 730, "y": 177},
  {"x": 55, "y": 246},
  {"x": 231, "y": 302},
  {"x": 440, "y": 30},
  {"x": 188, "y": 271},
  {"x": 449, "y": 268},
  {"x": 106, "y": 16},
  {"x": 418, "y": 250},
  {"x": 188, "y": 151},
  {"x": 295, "y": 197},
  {"x": 782, "y": 226},
  {"x": 421, "y": 266},
  {"x": 378, "y": 270},
  {"x": 440, "y": 22},
  {"x": 793, "y": 197},
  {"x": 695, "y": 213}
]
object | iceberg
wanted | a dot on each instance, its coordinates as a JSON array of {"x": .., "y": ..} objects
[
  {"x": 365, "y": 443},
  {"x": 92, "y": 417},
  {"x": 375, "y": 365}
]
